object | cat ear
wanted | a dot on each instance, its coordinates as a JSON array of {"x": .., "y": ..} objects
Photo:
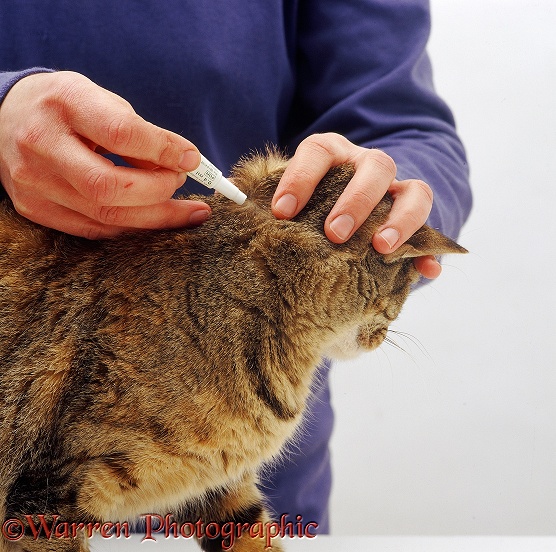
[{"x": 426, "y": 241}]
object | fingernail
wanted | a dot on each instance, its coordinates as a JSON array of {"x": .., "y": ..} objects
[
  {"x": 286, "y": 205},
  {"x": 342, "y": 226},
  {"x": 198, "y": 217},
  {"x": 190, "y": 160},
  {"x": 391, "y": 236}
]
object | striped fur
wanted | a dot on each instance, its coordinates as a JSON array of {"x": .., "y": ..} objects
[{"x": 157, "y": 371}]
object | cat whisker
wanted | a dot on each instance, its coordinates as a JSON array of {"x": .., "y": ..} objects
[
  {"x": 392, "y": 343},
  {"x": 414, "y": 340},
  {"x": 397, "y": 346}
]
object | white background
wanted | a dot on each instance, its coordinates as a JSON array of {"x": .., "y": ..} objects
[{"x": 457, "y": 435}]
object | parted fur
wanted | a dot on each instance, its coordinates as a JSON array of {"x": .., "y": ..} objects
[{"x": 157, "y": 371}]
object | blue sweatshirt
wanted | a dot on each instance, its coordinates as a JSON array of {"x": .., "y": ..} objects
[{"x": 234, "y": 75}]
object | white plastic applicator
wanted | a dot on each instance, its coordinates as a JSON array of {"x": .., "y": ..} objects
[{"x": 208, "y": 175}]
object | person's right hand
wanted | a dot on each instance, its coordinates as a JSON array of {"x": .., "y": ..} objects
[{"x": 53, "y": 129}]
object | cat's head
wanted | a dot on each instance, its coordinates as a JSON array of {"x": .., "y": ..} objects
[{"x": 349, "y": 289}]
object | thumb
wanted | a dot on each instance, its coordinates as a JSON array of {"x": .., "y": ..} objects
[{"x": 111, "y": 123}]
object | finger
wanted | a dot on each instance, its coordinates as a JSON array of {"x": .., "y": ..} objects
[
  {"x": 58, "y": 217},
  {"x": 173, "y": 213},
  {"x": 168, "y": 214},
  {"x": 410, "y": 210},
  {"x": 111, "y": 122},
  {"x": 312, "y": 160},
  {"x": 101, "y": 182},
  {"x": 109, "y": 222},
  {"x": 374, "y": 173},
  {"x": 138, "y": 163},
  {"x": 428, "y": 267}
]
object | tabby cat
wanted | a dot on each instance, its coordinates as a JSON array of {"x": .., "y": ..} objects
[{"x": 157, "y": 371}]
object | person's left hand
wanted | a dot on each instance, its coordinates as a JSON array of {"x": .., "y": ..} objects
[{"x": 375, "y": 173}]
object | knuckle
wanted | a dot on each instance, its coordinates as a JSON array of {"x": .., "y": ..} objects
[
  {"x": 323, "y": 144},
  {"x": 119, "y": 133},
  {"x": 100, "y": 186},
  {"x": 25, "y": 207},
  {"x": 31, "y": 137},
  {"x": 363, "y": 197},
  {"x": 168, "y": 154},
  {"x": 424, "y": 188},
  {"x": 92, "y": 232},
  {"x": 67, "y": 90},
  {"x": 110, "y": 215},
  {"x": 297, "y": 175},
  {"x": 382, "y": 162},
  {"x": 412, "y": 220},
  {"x": 21, "y": 171}
]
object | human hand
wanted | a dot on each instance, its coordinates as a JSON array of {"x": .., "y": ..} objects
[
  {"x": 54, "y": 128},
  {"x": 374, "y": 175}
]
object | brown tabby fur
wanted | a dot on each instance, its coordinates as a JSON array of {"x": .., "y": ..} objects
[{"x": 157, "y": 371}]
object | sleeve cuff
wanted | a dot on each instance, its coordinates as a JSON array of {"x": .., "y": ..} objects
[{"x": 8, "y": 79}]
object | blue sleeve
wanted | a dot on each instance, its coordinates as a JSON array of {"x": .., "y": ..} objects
[
  {"x": 9, "y": 78},
  {"x": 363, "y": 71}
]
